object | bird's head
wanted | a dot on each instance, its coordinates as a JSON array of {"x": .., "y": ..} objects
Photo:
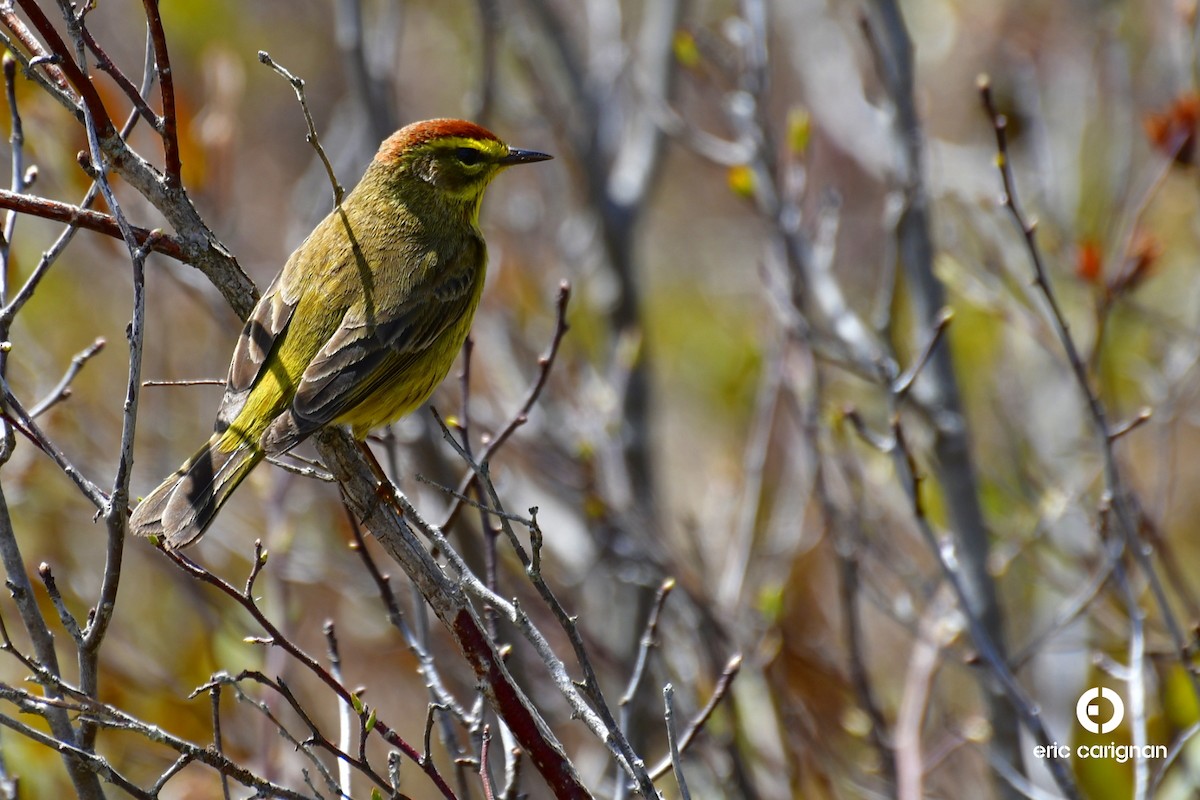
[{"x": 456, "y": 157}]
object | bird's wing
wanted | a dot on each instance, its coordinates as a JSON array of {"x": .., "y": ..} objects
[
  {"x": 259, "y": 336},
  {"x": 369, "y": 350}
]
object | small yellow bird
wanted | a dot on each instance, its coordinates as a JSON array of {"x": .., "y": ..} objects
[{"x": 360, "y": 326}]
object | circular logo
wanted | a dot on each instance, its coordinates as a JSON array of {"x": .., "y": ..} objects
[{"x": 1088, "y": 711}]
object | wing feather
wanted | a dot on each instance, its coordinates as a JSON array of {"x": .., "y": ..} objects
[
  {"x": 366, "y": 353},
  {"x": 262, "y": 331}
]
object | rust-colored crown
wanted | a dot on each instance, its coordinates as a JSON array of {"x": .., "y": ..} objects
[{"x": 418, "y": 133}]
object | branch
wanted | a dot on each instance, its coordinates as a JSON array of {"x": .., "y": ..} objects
[
  {"x": 545, "y": 364},
  {"x": 673, "y": 740},
  {"x": 111, "y": 717},
  {"x": 450, "y": 604},
  {"x": 104, "y": 63},
  {"x": 298, "y": 87},
  {"x": 1121, "y": 500},
  {"x": 694, "y": 727},
  {"x": 892, "y": 48},
  {"x": 63, "y": 389},
  {"x": 166, "y": 84},
  {"x": 246, "y": 599},
  {"x": 165, "y": 243},
  {"x": 73, "y": 72}
]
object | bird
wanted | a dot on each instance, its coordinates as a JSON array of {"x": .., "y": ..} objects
[{"x": 359, "y": 327}]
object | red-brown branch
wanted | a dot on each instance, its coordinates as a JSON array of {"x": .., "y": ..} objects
[
  {"x": 105, "y": 64},
  {"x": 166, "y": 84},
  {"x": 82, "y": 83},
  {"x": 97, "y": 221},
  {"x": 25, "y": 36}
]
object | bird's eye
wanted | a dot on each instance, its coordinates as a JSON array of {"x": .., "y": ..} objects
[{"x": 468, "y": 155}]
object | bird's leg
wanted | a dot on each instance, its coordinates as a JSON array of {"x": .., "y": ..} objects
[{"x": 385, "y": 490}]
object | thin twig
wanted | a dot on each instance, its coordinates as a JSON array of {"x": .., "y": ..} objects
[
  {"x": 64, "y": 614},
  {"x": 166, "y": 85},
  {"x": 215, "y": 699},
  {"x": 186, "y": 382},
  {"x": 345, "y": 710},
  {"x": 105, "y": 63},
  {"x": 485, "y": 774},
  {"x": 63, "y": 389},
  {"x": 1123, "y": 504},
  {"x": 697, "y": 724},
  {"x": 673, "y": 740},
  {"x": 545, "y": 364},
  {"x": 648, "y": 640},
  {"x": 15, "y": 412},
  {"x": 311, "y": 138},
  {"x": 245, "y": 599}
]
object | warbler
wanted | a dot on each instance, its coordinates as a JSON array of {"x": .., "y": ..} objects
[{"x": 360, "y": 326}]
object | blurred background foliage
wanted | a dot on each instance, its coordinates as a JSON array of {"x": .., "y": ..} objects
[{"x": 1102, "y": 105}]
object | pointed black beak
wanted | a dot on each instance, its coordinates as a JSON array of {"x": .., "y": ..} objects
[{"x": 516, "y": 156}]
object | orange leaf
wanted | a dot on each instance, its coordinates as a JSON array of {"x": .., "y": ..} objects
[
  {"x": 1173, "y": 131},
  {"x": 1089, "y": 261}
]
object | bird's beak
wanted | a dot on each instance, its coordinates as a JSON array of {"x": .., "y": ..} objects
[{"x": 516, "y": 156}]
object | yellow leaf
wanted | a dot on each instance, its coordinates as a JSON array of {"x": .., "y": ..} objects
[
  {"x": 741, "y": 180},
  {"x": 686, "y": 51},
  {"x": 799, "y": 130}
]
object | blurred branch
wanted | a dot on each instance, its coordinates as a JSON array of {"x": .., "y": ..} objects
[
  {"x": 921, "y": 667},
  {"x": 373, "y": 88},
  {"x": 489, "y": 15},
  {"x": 938, "y": 388},
  {"x": 1008, "y": 689},
  {"x": 619, "y": 147},
  {"x": 1119, "y": 497},
  {"x": 849, "y": 585}
]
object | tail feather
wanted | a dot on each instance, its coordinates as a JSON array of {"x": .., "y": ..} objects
[{"x": 184, "y": 505}]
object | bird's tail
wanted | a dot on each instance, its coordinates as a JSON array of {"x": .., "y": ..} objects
[{"x": 184, "y": 505}]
